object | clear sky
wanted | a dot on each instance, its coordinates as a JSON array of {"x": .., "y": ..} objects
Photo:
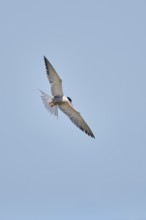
[{"x": 49, "y": 169}]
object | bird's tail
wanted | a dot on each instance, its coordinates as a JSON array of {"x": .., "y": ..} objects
[{"x": 47, "y": 100}]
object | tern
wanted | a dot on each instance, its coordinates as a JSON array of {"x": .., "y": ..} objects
[{"x": 59, "y": 101}]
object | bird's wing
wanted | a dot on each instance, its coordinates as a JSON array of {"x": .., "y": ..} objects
[
  {"x": 54, "y": 79},
  {"x": 75, "y": 117}
]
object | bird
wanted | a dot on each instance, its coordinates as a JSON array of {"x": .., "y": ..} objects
[{"x": 59, "y": 101}]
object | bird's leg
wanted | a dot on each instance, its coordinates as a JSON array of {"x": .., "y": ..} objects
[{"x": 52, "y": 103}]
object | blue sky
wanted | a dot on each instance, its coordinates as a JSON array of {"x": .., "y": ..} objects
[{"x": 49, "y": 169}]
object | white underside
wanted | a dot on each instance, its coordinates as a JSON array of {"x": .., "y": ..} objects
[{"x": 47, "y": 103}]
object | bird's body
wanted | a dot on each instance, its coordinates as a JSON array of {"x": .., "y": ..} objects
[{"x": 59, "y": 101}]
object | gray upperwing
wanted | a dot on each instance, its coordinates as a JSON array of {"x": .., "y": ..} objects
[
  {"x": 54, "y": 79},
  {"x": 76, "y": 118}
]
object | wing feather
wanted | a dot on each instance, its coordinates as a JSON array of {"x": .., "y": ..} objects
[
  {"x": 76, "y": 118},
  {"x": 54, "y": 79}
]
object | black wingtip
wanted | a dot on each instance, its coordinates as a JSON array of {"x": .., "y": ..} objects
[
  {"x": 45, "y": 59},
  {"x": 92, "y": 135}
]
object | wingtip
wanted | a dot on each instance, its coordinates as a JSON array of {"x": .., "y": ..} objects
[
  {"x": 45, "y": 59},
  {"x": 89, "y": 133},
  {"x": 46, "y": 62},
  {"x": 92, "y": 135}
]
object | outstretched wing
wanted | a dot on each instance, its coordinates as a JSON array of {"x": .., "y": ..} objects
[
  {"x": 54, "y": 79},
  {"x": 75, "y": 117}
]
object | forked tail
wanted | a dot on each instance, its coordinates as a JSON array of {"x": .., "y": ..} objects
[{"x": 47, "y": 100}]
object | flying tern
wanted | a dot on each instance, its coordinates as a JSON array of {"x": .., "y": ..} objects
[{"x": 59, "y": 101}]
